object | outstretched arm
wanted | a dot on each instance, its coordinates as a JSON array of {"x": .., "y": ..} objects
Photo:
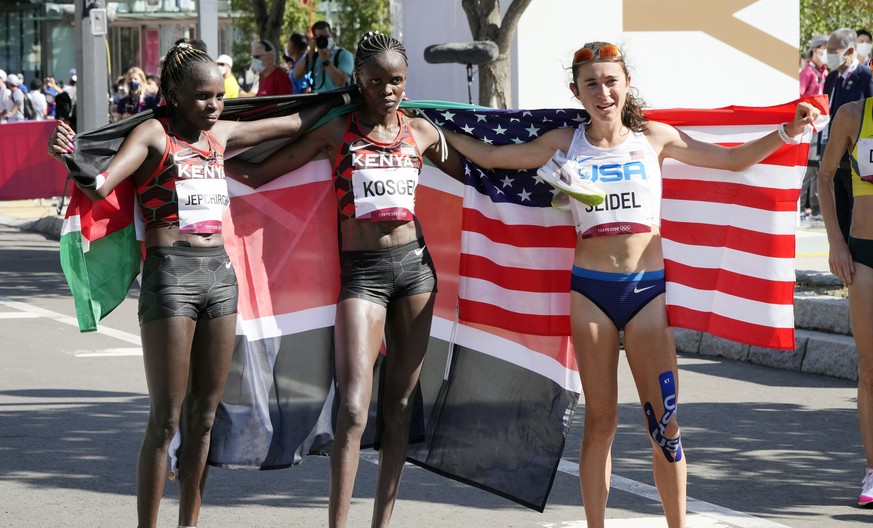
[
  {"x": 290, "y": 157},
  {"x": 522, "y": 156},
  {"x": 146, "y": 138},
  {"x": 680, "y": 146},
  {"x": 241, "y": 134}
]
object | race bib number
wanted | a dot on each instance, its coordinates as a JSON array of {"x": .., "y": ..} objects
[
  {"x": 385, "y": 194},
  {"x": 865, "y": 159},
  {"x": 202, "y": 203}
]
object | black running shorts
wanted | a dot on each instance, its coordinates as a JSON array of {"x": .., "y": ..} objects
[
  {"x": 186, "y": 281},
  {"x": 384, "y": 274}
]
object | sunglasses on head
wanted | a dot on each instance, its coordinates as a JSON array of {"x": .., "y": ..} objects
[{"x": 606, "y": 51}]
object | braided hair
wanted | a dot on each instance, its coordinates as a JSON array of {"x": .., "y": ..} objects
[
  {"x": 179, "y": 65},
  {"x": 374, "y": 43}
]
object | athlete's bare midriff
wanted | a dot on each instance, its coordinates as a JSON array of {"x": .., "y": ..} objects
[
  {"x": 621, "y": 253},
  {"x": 362, "y": 235}
]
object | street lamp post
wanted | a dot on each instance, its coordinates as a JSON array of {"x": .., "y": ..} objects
[{"x": 92, "y": 85}]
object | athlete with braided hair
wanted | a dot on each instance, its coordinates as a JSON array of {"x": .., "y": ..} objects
[
  {"x": 188, "y": 299},
  {"x": 387, "y": 281}
]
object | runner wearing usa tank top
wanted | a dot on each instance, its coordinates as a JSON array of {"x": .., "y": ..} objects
[{"x": 617, "y": 277}]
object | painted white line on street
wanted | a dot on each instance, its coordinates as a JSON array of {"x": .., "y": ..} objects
[
  {"x": 730, "y": 517},
  {"x": 693, "y": 521},
  {"x": 18, "y": 315},
  {"x": 66, "y": 319},
  {"x": 708, "y": 515},
  {"x": 112, "y": 352}
]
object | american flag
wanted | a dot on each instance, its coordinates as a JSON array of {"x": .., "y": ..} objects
[{"x": 728, "y": 237}]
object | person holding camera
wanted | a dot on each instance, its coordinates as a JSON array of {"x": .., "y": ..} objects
[{"x": 328, "y": 65}]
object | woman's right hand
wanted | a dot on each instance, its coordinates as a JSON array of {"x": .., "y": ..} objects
[
  {"x": 841, "y": 262},
  {"x": 61, "y": 141}
]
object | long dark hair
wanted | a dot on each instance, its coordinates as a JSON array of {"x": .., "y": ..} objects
[{"x": 632, "y": 115}]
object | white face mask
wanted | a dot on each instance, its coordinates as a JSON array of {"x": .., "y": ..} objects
[
  {"x": 864, "y": 49},
  {"x": 223, "y": 69},
  {"x": 835, "y": 60}
]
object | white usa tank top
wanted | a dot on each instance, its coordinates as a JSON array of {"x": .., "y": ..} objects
[{"x": 630, "y": 175}]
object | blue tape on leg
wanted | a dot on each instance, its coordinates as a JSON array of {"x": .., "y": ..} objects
[{"x": 672, "y": 447}]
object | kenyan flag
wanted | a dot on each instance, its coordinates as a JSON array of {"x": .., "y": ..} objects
[{"x": 100, "y": 255}]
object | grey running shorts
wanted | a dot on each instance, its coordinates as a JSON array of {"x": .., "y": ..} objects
[
  {"x": 381, "y": 275},
  {"x": 186, "y": 281}
]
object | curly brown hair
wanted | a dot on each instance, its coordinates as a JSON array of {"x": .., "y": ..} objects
[{"x": 632, "y": 115}]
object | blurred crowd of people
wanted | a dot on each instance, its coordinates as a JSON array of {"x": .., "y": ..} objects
[
  {"x": 36, "y": 99},
  {"x": 305, "y": 65}
]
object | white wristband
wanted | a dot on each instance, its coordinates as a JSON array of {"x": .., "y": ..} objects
[{"x": 783, "y": 135}]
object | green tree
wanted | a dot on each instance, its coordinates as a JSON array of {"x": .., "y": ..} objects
[
  {"x": 821, "y": 17},
  {"x": 495, "y": 86},
  {"x": 356, "y": 17}
]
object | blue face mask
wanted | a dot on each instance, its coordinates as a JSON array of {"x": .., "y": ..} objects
[
  {"x": 257, "y": 65},
  {"x": 134, "y": 86}
]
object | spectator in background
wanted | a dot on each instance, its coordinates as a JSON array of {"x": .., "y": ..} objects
[
  {"x": 812, "y": 78},
  {"x": 273, "y": 80},
  {"x": 848, "y": 81},
  {"x": 865, "y": 46},
  {"x": 329, "y": 65},
  {"x": 135, "y": 99},
  {"x": 297, "y": 45},
  {"x": 249, "y": 82},
  {"x": 23, "y": 87},
  {"x": 231, "y": 86},
  {"x": 15, "y": 100},
  {"x": 37, "y": 98},
  {"x": 119, "y": 92},
  {"x": 4, "y": 95},
  {"x": 51, "y": 91},
  {"x": 152, "y": 97},
  {"x": 70, "y": 90}
]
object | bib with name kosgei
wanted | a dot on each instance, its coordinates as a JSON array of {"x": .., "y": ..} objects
[{"x": 384, "y": 182}]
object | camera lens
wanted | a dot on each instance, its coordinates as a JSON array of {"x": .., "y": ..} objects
[{"x": 321, "y": 42}]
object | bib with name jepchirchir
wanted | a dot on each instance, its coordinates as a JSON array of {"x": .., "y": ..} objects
[
  {"x": 630, "y": 175},
  {"x": 188, "y": 189},
  {"x": 376, "y": 181}
]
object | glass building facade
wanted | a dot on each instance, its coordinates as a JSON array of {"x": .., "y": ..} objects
[{"x": 39, "y": 40}]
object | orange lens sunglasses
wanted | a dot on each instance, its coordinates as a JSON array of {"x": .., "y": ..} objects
[{"x": 606, "y": 51}]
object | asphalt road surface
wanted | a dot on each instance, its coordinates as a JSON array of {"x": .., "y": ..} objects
[{"x": 766, "y": 448}]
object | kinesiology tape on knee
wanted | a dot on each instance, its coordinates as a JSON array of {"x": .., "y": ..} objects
[{"x": 672, "y": 447}]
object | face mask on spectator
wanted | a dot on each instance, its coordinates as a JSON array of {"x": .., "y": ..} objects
[
  {"x": 134, "y": 86},
  {"x": 257, "y": 65},
  {"x": 864, "y": 49},
  {"x": 835, "y": 60}
]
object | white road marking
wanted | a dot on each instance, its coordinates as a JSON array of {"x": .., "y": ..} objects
[
  {"x": 721, "y": 514},
  {"x": 66, "y": 319},
  {"x": 18, "y": 315},
  {"x": 112, "y": 352}
]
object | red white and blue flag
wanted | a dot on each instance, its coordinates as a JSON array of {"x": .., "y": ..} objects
[{"x": 500, "y": 384}]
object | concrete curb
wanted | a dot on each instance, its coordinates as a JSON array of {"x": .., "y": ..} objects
[{"x": 824, "y": 342}]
